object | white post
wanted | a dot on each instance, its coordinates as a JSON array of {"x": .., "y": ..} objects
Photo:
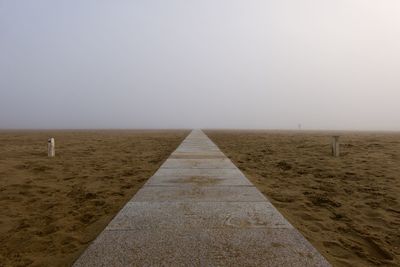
[
  {"x": 51, "y": 152},
  {"x": 335, "y": 146}
]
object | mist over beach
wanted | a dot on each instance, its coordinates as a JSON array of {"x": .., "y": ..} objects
[{"x": 200, "y": 64}]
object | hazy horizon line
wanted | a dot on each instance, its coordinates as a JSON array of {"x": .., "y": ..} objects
[{"x": 203, "y": 129}]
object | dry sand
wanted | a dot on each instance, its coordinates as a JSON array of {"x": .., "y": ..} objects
[
  {"x": 51, "y": 208},
  {"x": 347, "y": 207}
]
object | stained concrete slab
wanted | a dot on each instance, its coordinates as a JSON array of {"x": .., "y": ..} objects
[
  {"x": 221, "y": 173},
  {"x": 196, "y": 180},
  {"x": 199, "y": 215},
  {"x": 198, "y": 193},
  {"x": 198, "y": 155},
  {"x": 198, "y": 164},
  {"x": 199, "y": 210},
  {"x": 198, "y": 146},
  {"x": 197, "y": 150}
]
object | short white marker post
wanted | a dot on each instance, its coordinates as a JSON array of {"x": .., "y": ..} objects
[
  {"x": 335, "y": 146},
  {"x": 51, "y": 152}
]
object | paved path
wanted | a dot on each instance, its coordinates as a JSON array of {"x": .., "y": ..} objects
[{"x": 199, "y": 210}]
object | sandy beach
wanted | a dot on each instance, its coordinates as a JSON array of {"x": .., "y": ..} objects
[
  {"x": 347, "y": 207},
  {"x": 53, "y": 207}
]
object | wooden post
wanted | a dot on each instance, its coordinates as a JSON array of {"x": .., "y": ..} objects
[
  {"x": 51, "y": 152},
  {"x": 335, "y": 146}
]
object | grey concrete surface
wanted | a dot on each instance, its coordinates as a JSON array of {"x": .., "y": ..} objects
[
  {"x": 198, "y": 209},
  {"x": 221, "y": 173},
  {"x": 199, "y": 215},
  {"x": 219, "y": 163},
  {"x": 198, "y": 193},
  {"x": 196, "y": 180}
]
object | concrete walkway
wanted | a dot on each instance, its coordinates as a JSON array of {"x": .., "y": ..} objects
[{"x": 199, "y": 210}]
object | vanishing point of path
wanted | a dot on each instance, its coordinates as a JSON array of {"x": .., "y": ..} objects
[{"x": 199, "y": 210}]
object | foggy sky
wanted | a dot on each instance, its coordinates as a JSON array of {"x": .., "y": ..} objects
[{"x": 327, "y": 64}]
